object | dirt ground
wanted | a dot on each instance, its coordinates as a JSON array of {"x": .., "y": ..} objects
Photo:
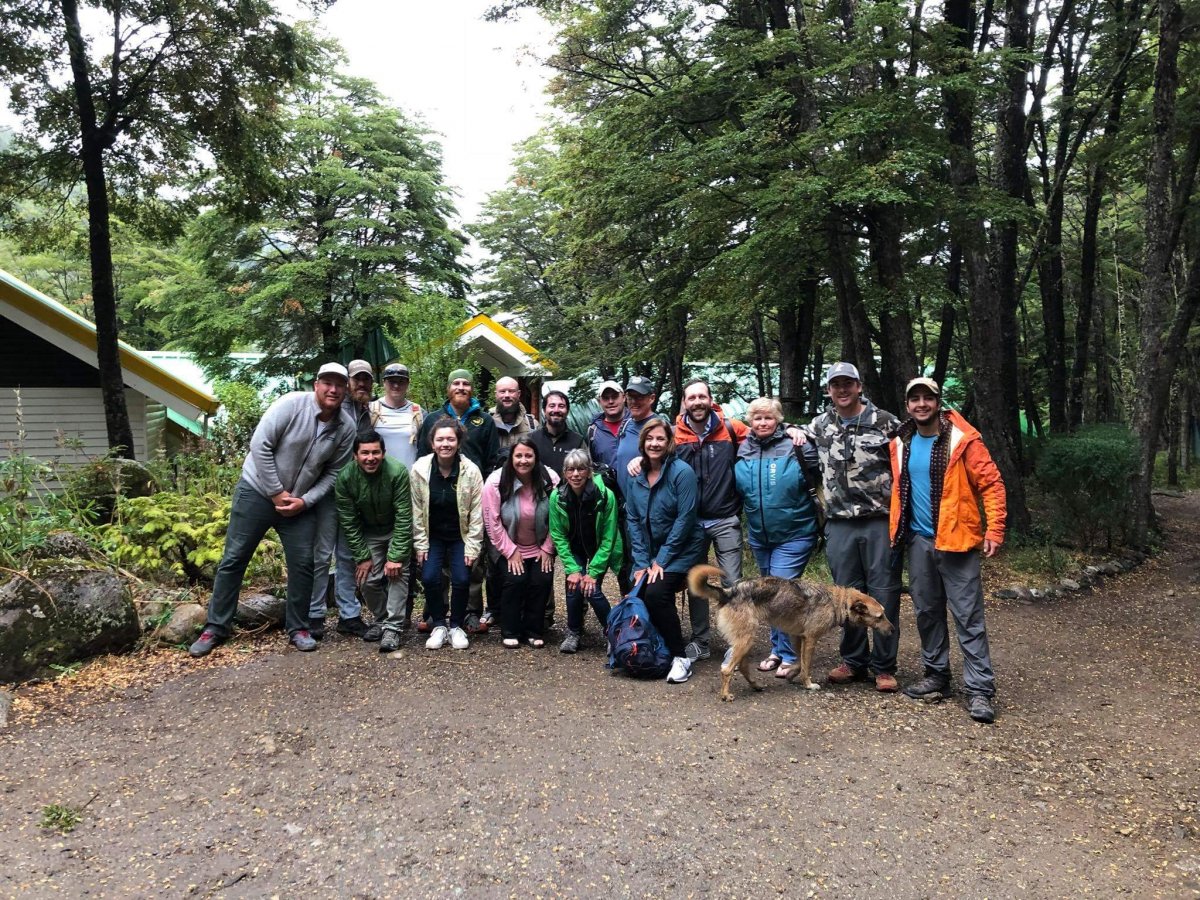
[{"x": 265, "y": 772}]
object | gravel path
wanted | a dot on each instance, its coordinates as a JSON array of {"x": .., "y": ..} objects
[{"x": 491, "y": 774}]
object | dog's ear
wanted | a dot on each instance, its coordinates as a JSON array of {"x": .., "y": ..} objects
[{"x": 859, "y": 607}]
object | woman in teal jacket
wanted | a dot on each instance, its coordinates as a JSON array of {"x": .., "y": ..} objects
[
  {"x": 583, "y": 525},
  {"x": 665, "y": 538},
  {"x": 781, "y": 515}
]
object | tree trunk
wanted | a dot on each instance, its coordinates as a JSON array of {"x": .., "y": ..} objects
[
  {"x": 1011, "y": 152},
  {"x": 796, "y": 330},
  {"x": 898, "y": 353},
  {"x": 990, "y": 407},
  {"x": 94, "y": 141},
  {"x": 1162, "y": 337},
  {"x": 852, "y": 312}
]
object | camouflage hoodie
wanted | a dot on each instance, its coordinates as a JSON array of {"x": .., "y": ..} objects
[{"x": 856, "y": 469}]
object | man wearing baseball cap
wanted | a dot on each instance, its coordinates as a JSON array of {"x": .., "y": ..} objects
[
  {"x": 604, "y": 431},
  {"x": 639, "y": 397},
  {"x": 296, "y": 451},
  {"x": 852, "y": 440},
  {"x": 941, "y": 474},
  {"x": 330, "y": 543},
  {"x": 398, "y": 421}
]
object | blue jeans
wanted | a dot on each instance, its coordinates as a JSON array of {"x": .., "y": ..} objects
[
  {"x": 452, "y": 555},
  {"x": 329, "y": 542},
  {"x": 577, "y": 605},
  {"x": 786, "y": 560},
  {"x": 250, "y": 518}
]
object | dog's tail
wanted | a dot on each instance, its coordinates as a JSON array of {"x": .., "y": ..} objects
[{"x": 699, "y": 584}]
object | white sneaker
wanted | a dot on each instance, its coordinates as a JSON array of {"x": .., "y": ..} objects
[
  {"x": 681, "y": 670},
  {"x": 437, "y": 638},
  {"x": 458, "y": 639}
]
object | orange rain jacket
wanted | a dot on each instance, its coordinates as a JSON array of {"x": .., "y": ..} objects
[{"x": 970, "y": 476}]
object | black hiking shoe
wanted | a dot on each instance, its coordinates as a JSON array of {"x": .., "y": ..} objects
[
  {"x": 979, "y": 708},
  {"x": 931, "y": 687},
  {"x": 354, "y": 627}
]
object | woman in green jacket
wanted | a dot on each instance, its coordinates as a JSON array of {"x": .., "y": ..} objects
[{"x": 583, "y": 526}]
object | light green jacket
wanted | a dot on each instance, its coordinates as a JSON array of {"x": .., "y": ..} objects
[{"x": 470, "y": 505}]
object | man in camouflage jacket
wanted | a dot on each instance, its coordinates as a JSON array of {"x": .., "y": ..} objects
[{"x": 852, "y": 441}]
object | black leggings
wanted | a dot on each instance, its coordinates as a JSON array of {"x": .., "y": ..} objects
[{"x": 659, "y": 598}]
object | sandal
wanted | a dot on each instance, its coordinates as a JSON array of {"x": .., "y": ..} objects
[
  {"x": 537, "y": 643},
  {"x": 511, "y": 643},
  {"x": 770, "y": 664},
  {"x": 785, "y": 670}
]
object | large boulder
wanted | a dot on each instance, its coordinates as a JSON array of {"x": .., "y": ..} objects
[{"x": 62, "y": 612}]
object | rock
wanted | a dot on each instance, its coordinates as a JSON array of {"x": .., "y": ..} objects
[
  {"x": 255, "y": 610},
  {"x": 62, "y": 545},
  {"x": 61, "y": 613},
  {"x": 1110, "y": 568},
  {"x": 153, "y": 606},
  {"x": 1035, "y": 594},
  {"x": 183, "y": 625},
  {"x": 100, "y": 483},
  {"x": 6, "y": 702},
  {"x": 1008, "y": 593},
  {"x": 1091, "y": 571},
  {"x": 1068, "y": 584}
]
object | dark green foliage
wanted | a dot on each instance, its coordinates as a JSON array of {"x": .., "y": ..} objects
[{"x": 1086, "y": 477}]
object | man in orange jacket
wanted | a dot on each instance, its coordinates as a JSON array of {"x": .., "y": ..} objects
[{"x": 941, "y": 471}]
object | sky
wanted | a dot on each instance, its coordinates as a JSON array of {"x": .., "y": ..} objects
[{"x": 478, "y": 84}]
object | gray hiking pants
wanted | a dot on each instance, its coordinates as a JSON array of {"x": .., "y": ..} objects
[
  {"x": 726, "y": 536},
  {"x": 939, "y": 579},
  {"x": 860, "y": 556},
  {"x": 386, "y": 598}
]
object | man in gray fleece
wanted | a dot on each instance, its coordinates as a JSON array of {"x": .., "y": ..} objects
[{"x": 295, "y": 454}]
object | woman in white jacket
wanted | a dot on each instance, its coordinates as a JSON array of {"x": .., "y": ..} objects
[{"x": 447, "y": 492}]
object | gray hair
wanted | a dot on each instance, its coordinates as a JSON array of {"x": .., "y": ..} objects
[
  {"x": 579, "y": 458},
  {"x": 768, "y": 406}
]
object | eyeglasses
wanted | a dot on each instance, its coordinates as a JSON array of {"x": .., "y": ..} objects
[{"x": 576, "y": 469}]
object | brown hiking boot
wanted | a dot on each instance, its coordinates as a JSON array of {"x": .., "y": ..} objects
[
  {"x": 885, "y": 683},
  {"x": 843, "y": 674}
]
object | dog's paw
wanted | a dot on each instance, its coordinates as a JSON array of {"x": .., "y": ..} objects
[
  {"x": 813, "y": 686},
  {"x": 757, "y": 687},
  {"x": 728, "y": 698}
]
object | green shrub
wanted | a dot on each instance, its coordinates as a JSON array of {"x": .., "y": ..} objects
[
  {"x": 181, "y": 536},
  {"x": 30, "y": 511},
  {"x": 1086, "y": 479}
]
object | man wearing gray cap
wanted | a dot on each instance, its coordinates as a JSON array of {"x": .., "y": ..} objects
[
  {"x": 852, "y": 440},
  {"x": 329, "y": 540},
  {"x": 296, "y": 451},
  {"x": 639, "y": 397}
]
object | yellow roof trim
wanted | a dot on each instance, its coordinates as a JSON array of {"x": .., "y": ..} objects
[
  {"x": 506, "y": 335},
  {"x": 74, "y": 327}
]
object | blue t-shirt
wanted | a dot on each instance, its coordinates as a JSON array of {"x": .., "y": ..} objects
[{"x": 921, "y": 518}]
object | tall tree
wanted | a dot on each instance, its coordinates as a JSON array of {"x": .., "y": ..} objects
[
  {"x": 123, "y": 97},
  {"x": 358, "y": 220}
]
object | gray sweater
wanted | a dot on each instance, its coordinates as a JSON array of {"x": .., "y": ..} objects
[{"x": 294, "y": 451}]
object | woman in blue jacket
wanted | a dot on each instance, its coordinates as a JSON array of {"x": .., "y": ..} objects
[
  {"x": 781, "y": 515},
  {"x": 664, "y": 536}
]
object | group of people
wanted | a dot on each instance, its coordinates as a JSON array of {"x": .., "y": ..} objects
[{"x": 484, "y": 501}]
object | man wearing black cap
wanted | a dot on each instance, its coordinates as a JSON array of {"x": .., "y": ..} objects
[
  {"x": 300, "y": 444},
  {"x": 398, "y": 421},
  {"x": 639, "y": 397}
]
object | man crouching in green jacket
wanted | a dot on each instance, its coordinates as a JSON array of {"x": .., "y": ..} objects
[{"x": 374, "y": 507}]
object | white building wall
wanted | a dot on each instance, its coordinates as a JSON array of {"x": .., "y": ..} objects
[{"x": 52, "y": 416}]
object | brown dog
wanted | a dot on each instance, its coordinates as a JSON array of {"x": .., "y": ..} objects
[{"x": 804, "y": 610}]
